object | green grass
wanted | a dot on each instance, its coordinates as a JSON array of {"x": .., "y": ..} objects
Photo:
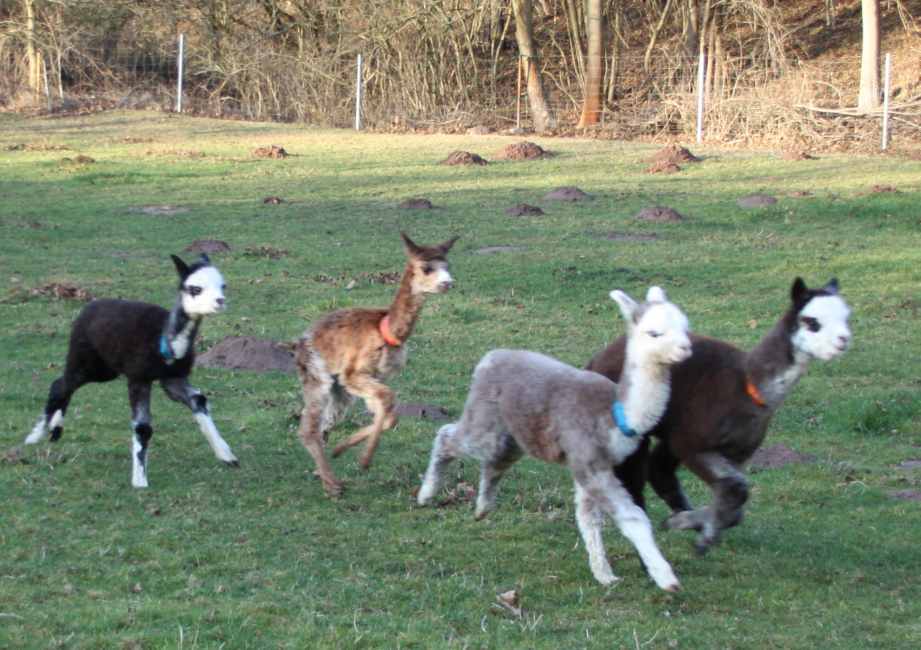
[{"x": 210, "y": 557}]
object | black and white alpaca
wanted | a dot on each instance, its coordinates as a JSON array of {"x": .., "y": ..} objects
[
  {"x": 722, "y": 402},
  {"x": 146, "y": 343}
]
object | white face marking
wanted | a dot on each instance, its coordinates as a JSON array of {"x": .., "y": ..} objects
[
  {"x": 822, "y": 328},
  {"x": 208, "y": 286},
  {"x": 431, "y": 277}
]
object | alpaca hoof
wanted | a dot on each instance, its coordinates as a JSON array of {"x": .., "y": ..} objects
[
  {"x": 673, "y": 588},
  {"x": 232, "y": 463},
  {"x": 365, "y": 464},
  {"x": 333, "y": 489},
  {"x": 56, "y": 434}
]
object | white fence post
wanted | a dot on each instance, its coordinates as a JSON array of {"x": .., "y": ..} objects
[
  {"x": 886, "y": 77},
  {"x": 358, "y": 96},
  {"x": 701, "y": 70},
  {"x": 179, "y": 82}
]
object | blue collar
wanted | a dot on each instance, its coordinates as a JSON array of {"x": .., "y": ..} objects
[
  {"x": 620, "y": 419},
  {"x": 166, "y": 350}
]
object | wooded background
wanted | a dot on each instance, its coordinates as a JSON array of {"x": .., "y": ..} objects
[{"x": 785, "y": 71}]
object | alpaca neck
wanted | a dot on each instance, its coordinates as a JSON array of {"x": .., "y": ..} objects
[
  {"x": 405, "y": 308},
  {"x": 179, "y": 333},
  {"x": 643, "y": 390},
  {"x": 774, "y": 366}
]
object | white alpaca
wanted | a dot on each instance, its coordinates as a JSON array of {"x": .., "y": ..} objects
[{"x": 522, "y": 401}]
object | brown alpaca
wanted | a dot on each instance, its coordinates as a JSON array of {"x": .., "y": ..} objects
[{"x": 349, "y": 353}]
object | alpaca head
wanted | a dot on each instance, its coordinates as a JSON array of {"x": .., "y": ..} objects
[
  {"x": 657, "y": 331},
  {"x": 429, "y": 266},
  {"x": 820, "y": 328},
  {"x": 201, "y": 287}
]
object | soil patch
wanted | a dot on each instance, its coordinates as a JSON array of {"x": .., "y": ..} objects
[
  {"x": 78, "y": 160},
  {"x": 778, "y": 455},
  {"x": 272, "y": 151},
  {"x": 273, "y": 200},
  {"x": 659, "y": 214},
  {"x": 416, "y": 204},
  {"x": 248, "y": 353},
  {"x": 756, "y": 201},
  {"x": 463, "y": 158},
  {"x": 906, "y": 495},
  {"x": 523, "y": 151},
  {"x": 159, "y": 210},
  {"x": 613, "y": 235},
  {"x": 492, "y": 250},
  {"x": 208, "y": 246},
  {"x": 910, "y": 464},
  {"x": 269, "y": 252},
  {"x": 62, "y": 291},
  {"x": 29, "y": 146},
  {"x": 663, "y": 167},
  {"x": 479, "y": 130},
  {"x": 424, "y": 411},
  {"x": 524, "y": 210},
  {"x": 882, "y": 189},
  {"x": 674, "y": 154},
  {"x": 797, "y": 154},
  {"x": 567, "y": 193}
]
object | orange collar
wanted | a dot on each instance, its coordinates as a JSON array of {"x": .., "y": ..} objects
[
  {"x": 389, "y": 338},
  {"x": 754, "y": 393}
]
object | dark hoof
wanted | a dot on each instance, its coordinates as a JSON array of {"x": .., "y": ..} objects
[
  {"x": 56, "y": 433},
  {"x": 233, "y": 463}
]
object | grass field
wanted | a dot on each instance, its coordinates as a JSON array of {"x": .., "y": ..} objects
[{"x": 211, "y": 557}]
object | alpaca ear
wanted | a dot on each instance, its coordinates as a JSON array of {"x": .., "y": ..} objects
[
  {"x": 799, "y": 292},
  {"x": 656, "y": 294},
  {"x": 181, "y": 267},
  {"x": 446, "y": 246},
  {"x": 205, "y": 259},
  {"x": 412, "y": 248},
  {"x": 832, "y": 286},
  {"x": 628, "y": 306}
]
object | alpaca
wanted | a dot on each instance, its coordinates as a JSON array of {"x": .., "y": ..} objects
[
  {"x": 721, "y": 405},
  {"x": 349, "y": 353},
  {"x": 523, "y": 402},
  {"x": 146, "y": 343}
]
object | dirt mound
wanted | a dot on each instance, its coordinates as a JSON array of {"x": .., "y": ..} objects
[
  {"x": 524, "y": 210},
  {"x": 906, "y": 495},
  {"x": 463, "y": 158},
  {"x": 208, "y": 246},
  {"x": 659, "y": 214},
  {"x": 416, "y": 204},
  {"x": 420, "y": 410},
  {"x": 159, "y": 210},
  {"x": 778, "y": 455},
  {"x": 910, "y": 464},
  {"x": 567, "y": 193},
  {"x": 273, "y": 200},
  {"x": 272, "y": 151},
  {"x": 797, "y": 154},
  {"x": 882, "y": 189},
  {"x": 78, "y": 160},
  {"x": 248, "y": 353},
  {"x": 479, "y": 130},
  {"x": 613, "y": 235},
  {"x": 674, "y": 154},
  {"x": 523, "y": 151},
  {"x": 270, "y": 252},
  {"x": 663, "y": 167},
  {"x": 62, "y": 291},
  {"x": 756, "y": 201}
]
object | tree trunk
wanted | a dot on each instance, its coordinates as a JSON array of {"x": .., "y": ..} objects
[
  {"x": 594, "y": 65},
  {"x": 32, "y": 55},
  {"x": 869, "y": 57},
  {"x": 524, "y": 34}
]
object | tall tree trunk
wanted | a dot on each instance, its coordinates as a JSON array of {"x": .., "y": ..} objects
[
  {"x": 32, "y": 54},
  {"x": 524, "y": 34},
  {"x": 869, "y": 57},
  {"x": 594, "y": 64}
]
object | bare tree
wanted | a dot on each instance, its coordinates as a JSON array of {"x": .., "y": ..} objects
[
  {"x": 524, "y": 34},
  {"x": 594, "y": 64},
  {"x": 869, "y": 57},
  {"x": 33, "y": 56}
]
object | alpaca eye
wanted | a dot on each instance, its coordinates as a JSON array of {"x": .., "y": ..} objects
[
  {"x": 654, "y": 334},
  {"x": 194, "y": 291},
  {"x": 812, "y": 324},
  {"x": 427, "y": 269}
]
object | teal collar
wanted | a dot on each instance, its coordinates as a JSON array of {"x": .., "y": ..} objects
[
  {"x": 620, "y": 419},
  {"x": 166, "y": 350}
]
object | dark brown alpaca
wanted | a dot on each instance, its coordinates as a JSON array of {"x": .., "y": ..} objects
[
  {"x": 349, "y": 353},
  {"x": 721, "y": 404}
]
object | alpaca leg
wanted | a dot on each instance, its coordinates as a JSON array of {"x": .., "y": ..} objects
[
  {"x": 382, "y": 406},
  {"x": 312, "y": 431},
  {"x": 379, "y": 400},
  {"x": 590, "y": 519},
  {"x": 52, "y": 420},
  {"x": 444, "y": 450},
  {"x": 139, "y": 397},
  {"x": 180, "y": 390},
  {"x": 610, "y": 495},
  {"x": 492, "y": 470},
  {"x": 663, "y": 466},
  {"x": 632, "y": 473}
]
